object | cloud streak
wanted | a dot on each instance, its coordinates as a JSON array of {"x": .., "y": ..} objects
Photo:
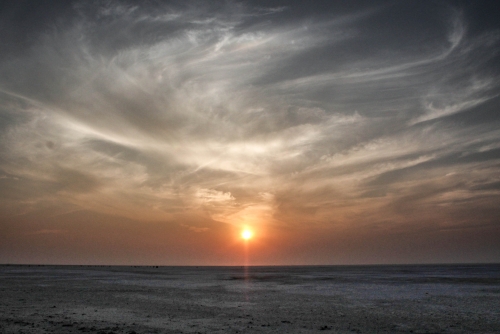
[{"x": 236, "y": 114}]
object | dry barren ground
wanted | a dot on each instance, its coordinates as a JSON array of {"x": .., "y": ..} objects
[{"x": 50, "y": 299}]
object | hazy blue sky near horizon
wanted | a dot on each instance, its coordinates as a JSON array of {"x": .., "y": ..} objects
[{"x": 341, "y": 132}]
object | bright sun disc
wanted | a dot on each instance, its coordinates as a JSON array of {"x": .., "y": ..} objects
[{"x": 246, "y": 234}]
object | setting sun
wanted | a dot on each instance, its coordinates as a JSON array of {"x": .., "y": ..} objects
[{"x": 246, "y": 234}]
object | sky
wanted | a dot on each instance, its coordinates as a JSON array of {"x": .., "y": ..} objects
[{"x": 339, "y": 132}]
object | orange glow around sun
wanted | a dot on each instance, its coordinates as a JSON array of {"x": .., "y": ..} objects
[{"x": 246, "y": 234}]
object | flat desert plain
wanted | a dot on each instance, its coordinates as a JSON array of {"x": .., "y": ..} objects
[{"x": 303, "y": 299}]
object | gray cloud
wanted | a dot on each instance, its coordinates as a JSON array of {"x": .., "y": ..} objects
[{"x": 240, "y": 113}]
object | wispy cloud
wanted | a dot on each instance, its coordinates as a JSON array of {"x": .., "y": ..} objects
[{"x": 241, "y": 114}]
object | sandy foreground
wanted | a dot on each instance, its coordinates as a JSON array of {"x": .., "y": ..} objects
[{"x": 378, "y": 299}]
